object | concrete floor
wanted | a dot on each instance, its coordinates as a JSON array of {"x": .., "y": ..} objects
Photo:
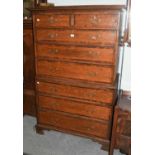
[{"x": 56, "y": 143}]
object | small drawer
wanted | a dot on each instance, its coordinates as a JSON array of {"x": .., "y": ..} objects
[
  {"x": 96, "y": 73},
  {"x": 106, "y": 55},
  {"x": 74, "y": 107},
  {"x": 77, "y": 36},
  {"x": 78, "y": 124},
  {"x": 51, "y": 20},
  {"x": 89, "y": 94},
  {"x": 97, "y": 21}
]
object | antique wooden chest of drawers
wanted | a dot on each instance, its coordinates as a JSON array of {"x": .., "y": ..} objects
[{"x": 76, "y": 59}]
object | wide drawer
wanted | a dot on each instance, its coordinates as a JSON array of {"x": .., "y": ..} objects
[
  {"x": 78, "y": 71},
  {"x": 90, "y": 94},
  {"x": 52, "y": 20},
  {"x": 97, "y": 21},
  {"x": 78, "y": 36},
  {"x": 106, "y": 55},
  {"x": 63, "y": 121},
  {"x": 75, "y": 107}
]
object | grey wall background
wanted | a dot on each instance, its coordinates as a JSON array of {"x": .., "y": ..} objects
[{"x": 126, "y": 76}]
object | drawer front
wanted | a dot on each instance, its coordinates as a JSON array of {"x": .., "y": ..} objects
[
  {"x": 74, "y": 107},
  {"x": 50, "y": 20},
  {"x": 75, "y": 71},
  {"x": 100, "y": 95},
  {"x": 97, "y": 21},
  {"x": 76, "y": 53},
  {"x": 60, "y": 120},
  {"x": 80, "y": 37}
]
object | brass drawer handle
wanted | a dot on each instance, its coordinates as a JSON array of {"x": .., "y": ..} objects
[
  {"x": 89, "y": 128},
  {"x": 90, "y": 52},
  {"x": 72, "y": 35},
  {"x": 52, "y": 35},
  {"x": 92, "y": 74},
  {"x": 54, "y": 104},
  {"x": 95, "y": 20},
  {"x": 52, "y": 20},
  {"x": 38, "y": 82},
  {"x": 38, "y": 20},
  {"x": 55, "y": 120},
  {"x": 95, "y": 37},
  {"x": 91, "y": 112},
  {"x": 93, "y": 53},
  {"x": 54, "y": 69},
  {"x": 54, "y": 51},
  {"x": 91, "y": 95}
]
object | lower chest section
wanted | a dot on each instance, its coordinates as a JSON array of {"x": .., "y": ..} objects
[{"x": 75, "y": 109}]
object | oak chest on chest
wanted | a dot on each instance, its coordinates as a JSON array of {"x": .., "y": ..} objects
[{"x": 76, "y": 57}]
